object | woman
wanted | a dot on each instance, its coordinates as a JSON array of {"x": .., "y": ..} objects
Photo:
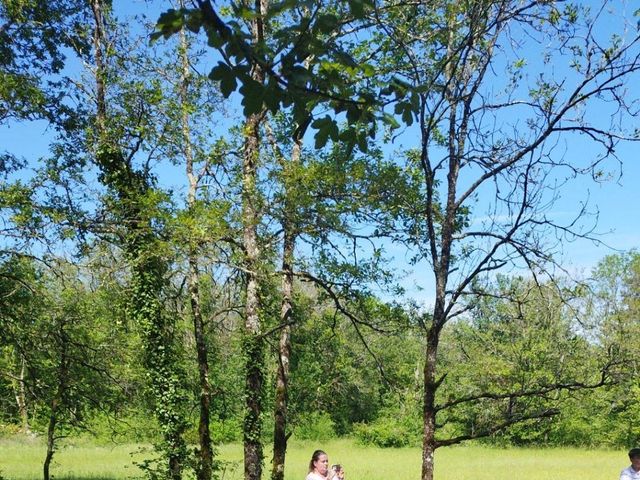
[{"x": 318, "y": 466}]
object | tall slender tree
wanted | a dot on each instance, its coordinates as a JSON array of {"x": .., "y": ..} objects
[
  {"x": 290, "y": 173},
  {"x": 205, "y": 460},
  {"x": 134, "y": 202},
  {"x": 251, "y": 218}
]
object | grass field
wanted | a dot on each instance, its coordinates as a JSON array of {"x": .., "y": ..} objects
[{"x": 22, "y": 460}]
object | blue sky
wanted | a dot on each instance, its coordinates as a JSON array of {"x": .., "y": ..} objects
[{"x": 617, "y": 198}]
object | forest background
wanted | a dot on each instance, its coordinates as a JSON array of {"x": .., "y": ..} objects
[{"x": 317, "y": 219}]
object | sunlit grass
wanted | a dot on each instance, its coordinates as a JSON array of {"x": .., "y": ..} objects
[{"x": 22, "y": 460}]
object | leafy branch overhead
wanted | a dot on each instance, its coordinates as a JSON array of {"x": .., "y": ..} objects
[{"x": 309, "y": 62}]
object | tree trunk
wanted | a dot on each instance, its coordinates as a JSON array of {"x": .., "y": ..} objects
[
  {"x": 429, "y": 412},
  {"x": 62, "y": 379},
  {"x": 441, "y": 265},
  {"x": 21, "y": 397},
  {"x": 50, "y": 440},
  {"x": 254, "y": 376},
  {"x": 204, "y": 436},
  {"x": 284, "y": 354},
  {"x": 253, "y": 342},
  {"x": 205, "y": 461},
  {"x": 284, "y": 351}
]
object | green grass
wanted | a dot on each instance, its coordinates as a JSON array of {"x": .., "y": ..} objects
[{"x": 22, "y": 460}]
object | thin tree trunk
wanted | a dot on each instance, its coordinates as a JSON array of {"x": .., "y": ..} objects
[
  {"x": 284, "y": 354},
  {"x": 205, "y": 464},
  {"x": 429, "y": 411},
  {"x": 21, "y": 397},
  {"x": 50, "y": 440},
  {"x": 62, "y": 378},
  {"x": 442, "y": 261},
  {"x": 254, "y": 376},
  {"x": 204, "y": 436},
  {"x": 280, "y": 435}
]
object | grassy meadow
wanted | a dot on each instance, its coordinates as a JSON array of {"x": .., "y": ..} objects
[{"x": 22, "y": 460}]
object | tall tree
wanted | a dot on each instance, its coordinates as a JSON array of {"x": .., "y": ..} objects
[
  {"x": 206, "y": 449},
  {"x": 204, "y": 221},
  {"x": 136, "y": 205},
  {"x": 490, "y": 115},
  {"x": 290, "y": 220},
  {"x": 251, "y": 219}
]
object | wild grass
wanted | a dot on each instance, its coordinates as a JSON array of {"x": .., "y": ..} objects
[
  {"x": 21, "y": 459},
  {"x": 463, "y": 463}
]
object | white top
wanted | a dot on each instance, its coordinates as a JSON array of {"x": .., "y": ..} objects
[
  {"x": 317, "y": 476},
  {"x": 629, "y": 474}
]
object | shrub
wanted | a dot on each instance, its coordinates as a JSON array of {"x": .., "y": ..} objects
[
  {"x": 315, "y": 426},
  {"x": 226, "y": 431},
  {"x": 387, "y": 431},
  {"x": 9, "y": 430}
]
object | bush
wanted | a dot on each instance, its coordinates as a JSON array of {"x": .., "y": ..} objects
[
  {"x": 9, "y": 430},
  {"x": 401, "y": 431},
  {"x": 225, "y": 431},
  {"x": 128, "y": 426},
  {"x": 315, "y": 426}
]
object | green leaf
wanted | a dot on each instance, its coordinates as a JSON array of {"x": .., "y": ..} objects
[
  {"x": 214, "y": 40},
  {"x": 367, "y": 70},
  {"x": 168, "y": 23},
  {"x": 226, "y": 76},
  {"x": 345, "y": 59},
  {"x": 253, "y": 96},
  {"x": 300, "y": 112},
  {"x": 279, "y": 7},
  {"x": 407, "y": 116},
  {"x": 354, "y": 113},
  {"x": 390, "y": 120},
  {"x": 299, "y": 75},
  {"x": 363, "y": 144},
  {"x": 327, "y": 23},
  {"x": 405, "y": 109},
  {"x": 272, "y": 96},
  {"x": 155, "y": 36},
  {"x": 245, "y": 13},
  {"x": 399, "y": 86},
  {"x": 415, "y": 102},
  {"x": 357, "y": 8},
  {"x": 193, "y": 21},
  {"x": 327, "y": 128}
]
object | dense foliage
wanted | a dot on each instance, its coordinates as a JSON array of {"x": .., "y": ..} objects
[{"x": 337, "y": 387}]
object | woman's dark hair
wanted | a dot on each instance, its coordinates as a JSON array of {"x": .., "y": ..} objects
[{"x": 314, "y": 458}]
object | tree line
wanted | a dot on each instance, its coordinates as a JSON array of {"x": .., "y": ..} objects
[{"x": 219, "y": 239}]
